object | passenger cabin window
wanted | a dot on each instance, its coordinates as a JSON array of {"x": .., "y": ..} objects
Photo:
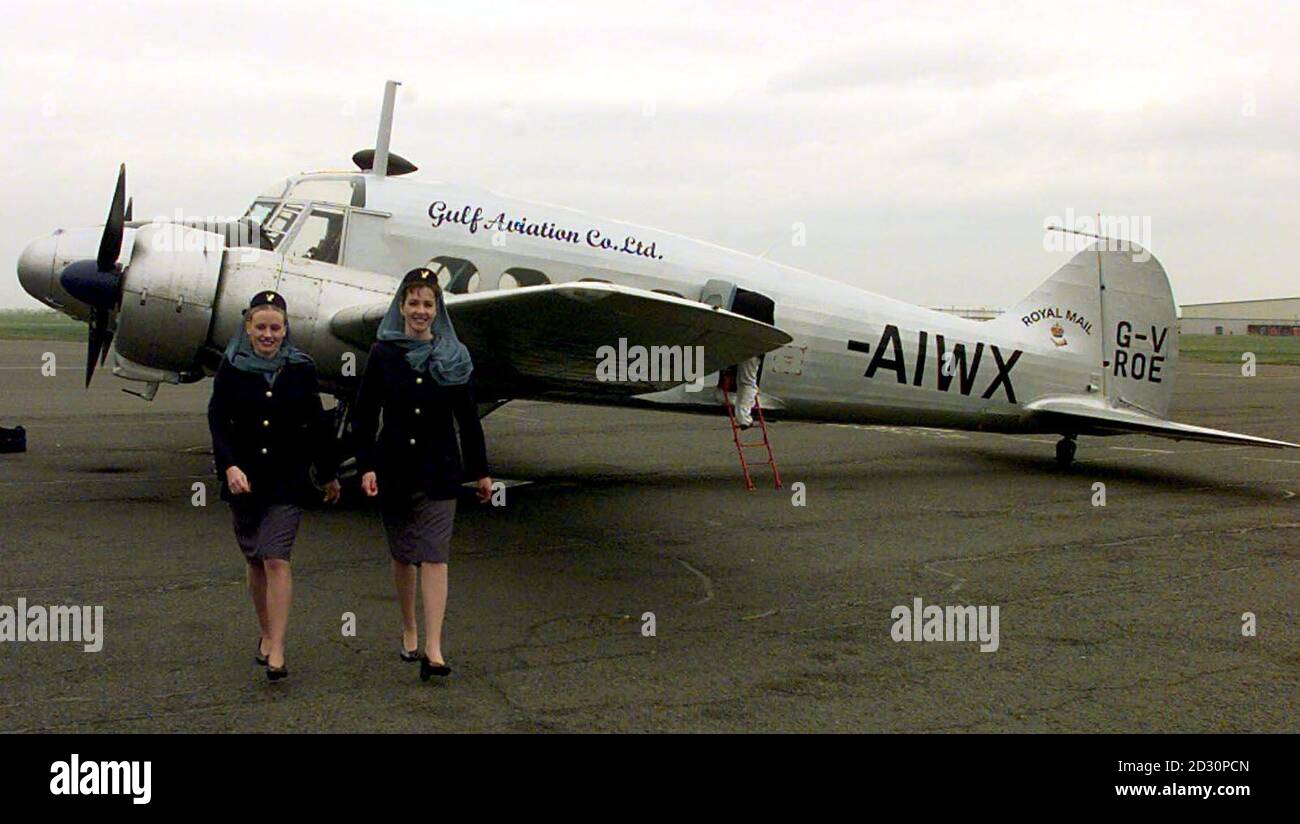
[
  {"x": 320, "y": 237},
  {"x": 278, "y": 225},
  {"x": 454, "y": 274},
  {"x": 514, "y": 277}
]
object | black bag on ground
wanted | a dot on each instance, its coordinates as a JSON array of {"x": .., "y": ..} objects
[{"x": 13, "y": 440}]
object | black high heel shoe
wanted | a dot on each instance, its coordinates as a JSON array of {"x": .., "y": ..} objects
[
  {"x": 410, "y": 656},
  {"x": 258, "y": 656},
  {"x": 276, "y": 673},
  {"x": 428, "y": 669}
]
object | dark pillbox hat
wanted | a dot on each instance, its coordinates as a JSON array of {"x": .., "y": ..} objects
[
  {"x": 268, "y": 298},
  {"x": 421, "y": 275}
]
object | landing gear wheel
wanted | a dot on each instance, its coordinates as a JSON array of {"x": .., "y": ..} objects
[{"x": 1065, "y": 449}]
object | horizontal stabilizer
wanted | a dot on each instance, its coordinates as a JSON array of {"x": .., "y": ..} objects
[{"x": 1089, "y": 416}]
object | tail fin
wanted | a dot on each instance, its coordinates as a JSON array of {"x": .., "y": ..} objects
[{"x": 1115, "y": 311}]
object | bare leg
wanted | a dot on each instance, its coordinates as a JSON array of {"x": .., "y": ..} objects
[
  {"x": 433, "y": 588},
  {"x": 257, "y": 587},
  {"x": 404, "y": 583},
  {"x": 279, "y": 594}
]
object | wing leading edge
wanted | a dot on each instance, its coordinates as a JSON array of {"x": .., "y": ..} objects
[{"x": 543, "y": 340}]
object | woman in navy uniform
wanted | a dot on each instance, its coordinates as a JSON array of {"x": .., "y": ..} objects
[
  {"x": 268, "y": 430},
  {"x": 418, "y": 374}
]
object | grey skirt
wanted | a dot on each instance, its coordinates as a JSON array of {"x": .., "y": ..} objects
[
  {"x": 420, "y": 531},
  {"x": 266, "y": 532}
]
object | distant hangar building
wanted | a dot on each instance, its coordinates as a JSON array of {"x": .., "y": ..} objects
[{"x": 1275, "y": 316}]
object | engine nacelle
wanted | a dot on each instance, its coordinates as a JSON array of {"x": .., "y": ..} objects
[{"x": 167, "y": 298}]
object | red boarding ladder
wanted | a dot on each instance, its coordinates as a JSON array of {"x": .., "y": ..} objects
[{"x": 728, "y": 383}]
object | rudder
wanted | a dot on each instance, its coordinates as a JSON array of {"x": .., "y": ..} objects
[{"x": 1141, "y": 326}]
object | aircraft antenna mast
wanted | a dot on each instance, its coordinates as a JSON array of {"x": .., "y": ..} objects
[
  {"x": 380, "y": 168},
  {"x": 1101, "y": 318}
]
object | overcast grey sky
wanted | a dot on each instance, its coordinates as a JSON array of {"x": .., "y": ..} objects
[{"x": 922, "y": 145}]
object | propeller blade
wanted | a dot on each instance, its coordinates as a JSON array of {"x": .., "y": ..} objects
[
  {"x": 108, "y": 344},
  {"x": 129, "y": 203},
  {"x": 110, "y": 245},
  {"x": 98, "y": 324},
  {"x": 98, "y": 282}
]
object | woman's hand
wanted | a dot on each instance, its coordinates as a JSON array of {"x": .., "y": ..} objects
[
  {"x": 237, "y": 481},
  {"x": 484, "y": 489},
  {"x": 332, "y": 492},
  {"x": 369, "y": 484}
]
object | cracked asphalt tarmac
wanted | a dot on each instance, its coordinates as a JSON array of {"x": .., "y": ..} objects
[{"x": 767, "y": 615}]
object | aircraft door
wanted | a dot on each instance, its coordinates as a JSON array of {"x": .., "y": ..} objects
[
  {"x": 725, "y": 294},
  {"x": 759, "y": 307},
  {"x": 718, "y": 293},
  {"x": 754, "y": 305}
]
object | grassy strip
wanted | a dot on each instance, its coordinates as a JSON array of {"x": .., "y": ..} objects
[
  {"x": 1230, "y": 348},
  {"x": 39, "y": 324}
]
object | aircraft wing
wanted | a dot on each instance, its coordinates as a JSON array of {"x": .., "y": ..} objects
[
  {"x": 543, "y": 340},
  {"x": 1088, "y": 416}
]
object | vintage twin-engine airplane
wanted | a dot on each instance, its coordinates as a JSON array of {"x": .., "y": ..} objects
[{"x": 535, "y": 291}]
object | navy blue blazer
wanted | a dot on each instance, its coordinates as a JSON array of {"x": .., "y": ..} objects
[
  {"x": 273, "y": 433},
  {"x": 416, "y": 448}
]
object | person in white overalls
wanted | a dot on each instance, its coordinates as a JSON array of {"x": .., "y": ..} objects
[
  {"x": 760, "y": 308},
  {"x": 746, "y": 391}
]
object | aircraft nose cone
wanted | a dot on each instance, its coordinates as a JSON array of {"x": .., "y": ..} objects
[{"x": 36, "y": 268}]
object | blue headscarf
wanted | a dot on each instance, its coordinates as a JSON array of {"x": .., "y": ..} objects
[
  {"x": 243, "y": 357},
  {"x": 444, "y": 358}
]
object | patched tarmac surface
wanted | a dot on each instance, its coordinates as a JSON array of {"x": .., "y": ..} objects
[{"x": 768, "y": 616}]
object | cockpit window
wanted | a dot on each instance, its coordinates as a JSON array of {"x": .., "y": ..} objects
[
  {"x": 279, "y": 224},
  {"x": 258, "y": 212},
  {"x": 325, "y": 191},
  {"x": 320, "y": 237}
]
